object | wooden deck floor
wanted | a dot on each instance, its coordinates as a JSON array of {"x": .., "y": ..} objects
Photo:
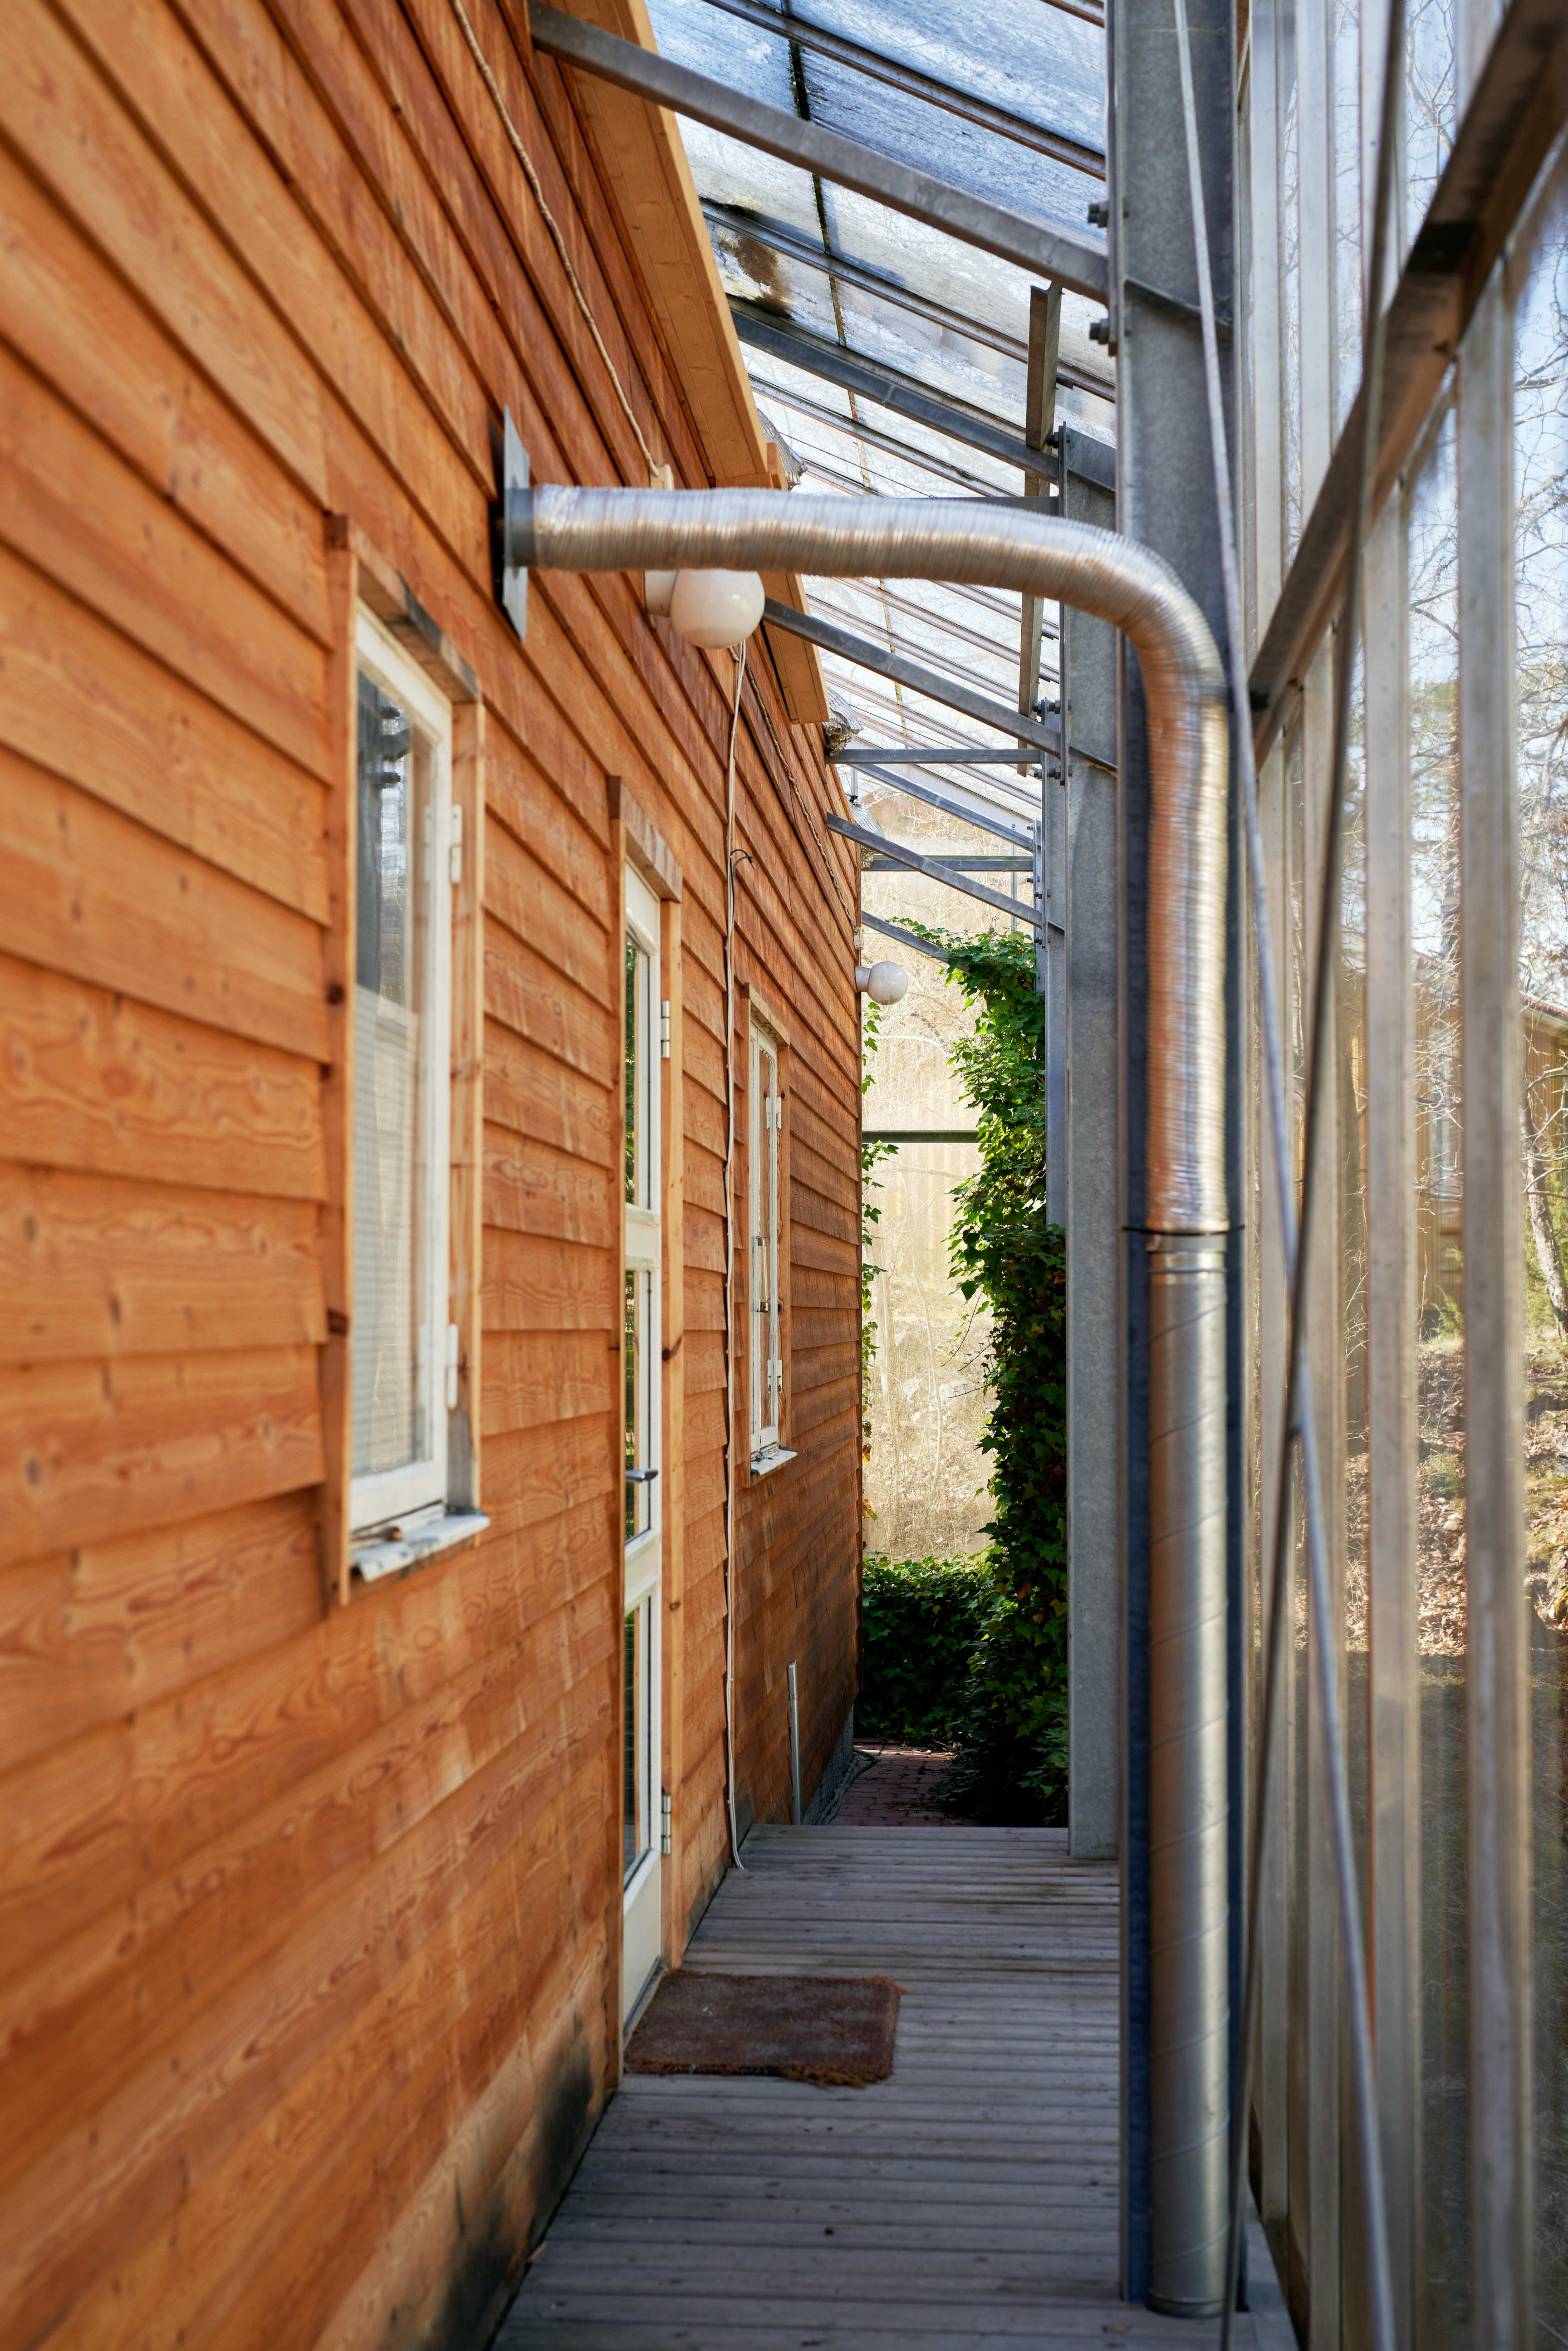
[{"x": 971, "y": 2199}]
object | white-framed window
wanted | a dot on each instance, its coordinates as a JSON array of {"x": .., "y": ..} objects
[
  {"x": 401, "y": 1340},
  {"x": 765, "y": 1135},
  {"x": 644, "y": 1416}
]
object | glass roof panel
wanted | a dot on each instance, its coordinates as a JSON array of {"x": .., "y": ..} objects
[
  {"x": 816, "y": 261},
  {"x": 1035, "y": 60}
]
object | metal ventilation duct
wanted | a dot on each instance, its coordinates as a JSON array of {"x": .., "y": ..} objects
[{"x": 1099, "y": 573}]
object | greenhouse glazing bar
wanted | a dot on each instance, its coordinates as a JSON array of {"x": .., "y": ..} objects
[
  {"x": 801, "y": 34},
  {"x": 1051, "y": 253}
]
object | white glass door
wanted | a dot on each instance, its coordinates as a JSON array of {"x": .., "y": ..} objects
[{"x": 643, "y": 1417}]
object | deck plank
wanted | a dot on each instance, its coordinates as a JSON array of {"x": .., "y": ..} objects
[{"x": 970, "y": 2201}]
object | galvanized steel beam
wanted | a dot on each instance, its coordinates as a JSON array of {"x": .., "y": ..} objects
[
  {"x": 928, "y": 756},
  {"x": 1045, "y": 734},
  {"x": 1089, "y": 1210},
  {"x": 935, "y": 868},
  {"x": 1498, "y": 1751},
  {"x": 883, "y": 863},
  {"x": 730, "y": 221},
  {"x": 904, "y": 940},
  {"x": 1182, "y": 1330},
  {"x": 966, "y": 814},
  {"x": 886, "y": 386}
]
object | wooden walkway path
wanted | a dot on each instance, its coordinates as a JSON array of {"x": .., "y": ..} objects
[{"x": 970, "y": 2201}]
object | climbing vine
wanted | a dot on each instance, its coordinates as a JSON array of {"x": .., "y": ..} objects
[
  {"x": 1011, "y": 1725},
  {"x": 871, "y": 1156}
]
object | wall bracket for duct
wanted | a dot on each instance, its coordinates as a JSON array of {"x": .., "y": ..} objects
[{"x": 511, "y": 578}]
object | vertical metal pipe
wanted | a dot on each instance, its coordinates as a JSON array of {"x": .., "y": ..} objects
[
  {"x": 1188, "y": 1778},
  {"x": 794, "y": 1743},
  {"x": 1186, "y": 1209}
]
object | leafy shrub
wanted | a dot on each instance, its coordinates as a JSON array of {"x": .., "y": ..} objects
[
  {"x": 921, "y": 1618},
  {"x": 1010, "y": 1727},
  {"x": 1011, "y": 1731}
]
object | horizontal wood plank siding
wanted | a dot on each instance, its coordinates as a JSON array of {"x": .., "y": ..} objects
[{"x": 309, "y": 1914}]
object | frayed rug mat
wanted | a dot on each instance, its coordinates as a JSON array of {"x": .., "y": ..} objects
[{"x": 824, "y": 2029}]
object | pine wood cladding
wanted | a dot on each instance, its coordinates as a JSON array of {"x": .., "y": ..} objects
[{"x": 310, "y": 1891}]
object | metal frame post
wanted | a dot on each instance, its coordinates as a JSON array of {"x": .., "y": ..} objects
[
  {"x": 1089, "y": 674},
  {"x": 1498, "y": 1739},
  {"x": 1165, "y": 500}
]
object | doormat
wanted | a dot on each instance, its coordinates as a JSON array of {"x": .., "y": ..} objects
[{"x": 824, "y": 2029}]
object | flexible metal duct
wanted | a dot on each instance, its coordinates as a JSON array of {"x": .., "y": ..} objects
[{"x": 994, "y": 546}]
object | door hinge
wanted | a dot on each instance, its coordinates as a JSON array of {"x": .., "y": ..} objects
[
  {"x": 664, "y": 1031},
  {"x": 666, "y": 1829},
  {"x": 455, "y": 850},
  {"x": 452, "y": 1367}
]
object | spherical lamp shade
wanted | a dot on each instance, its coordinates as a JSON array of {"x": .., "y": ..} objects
[
  {"x": 715, "y": 608},
  {"x": 884, "y": 983}
]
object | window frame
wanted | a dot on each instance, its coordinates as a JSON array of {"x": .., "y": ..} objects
[
  {"x": 642, "y": 1263},
  {"x": 379, "y": 1501},
  {"x": 765, "y": 1230},
  {"x": 642, "y": 1251}
]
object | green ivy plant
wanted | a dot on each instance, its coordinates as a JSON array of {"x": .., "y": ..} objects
[
  {"x": 871, "y": 1156},
  {"x": 921, "y": 1618},
  {"x": 1010, "y": 1726}
]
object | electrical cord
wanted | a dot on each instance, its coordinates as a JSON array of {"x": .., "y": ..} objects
[{"x": 730, "y": 861}]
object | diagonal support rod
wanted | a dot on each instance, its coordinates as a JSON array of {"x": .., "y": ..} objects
[{"x": 936, "y": 869}]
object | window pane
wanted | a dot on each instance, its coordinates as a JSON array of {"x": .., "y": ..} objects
[
  {"x": 763, "y": 1189},
  {"x": 633, "y": 1840},
  {"x": 633, "y": 1103},
  {"x": 772, "y": 1367},
  {"x": 391, "y": 1343},
  {"x": 1441, "y": 1603},
  {"x": 639, "y": 1396},
  {"x": 637, "y": 1761},
  {"x": 1541, "y": 593},
  {"x": 1429, "y": 65},
  {"x": 1347, "y": 23},
  {"x": 1290, "y": 276}
]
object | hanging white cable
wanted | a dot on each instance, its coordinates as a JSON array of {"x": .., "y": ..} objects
[
  {"x": 730, "y": 864},
  {"x": 1299, "y": 1412}
]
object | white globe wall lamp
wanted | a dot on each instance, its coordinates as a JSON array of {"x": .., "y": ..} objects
[
  {"x": 884, "y": 983},
  {"x": 707, "y": 608}
]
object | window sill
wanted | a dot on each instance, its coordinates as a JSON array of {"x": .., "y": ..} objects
[
  {"x": 764, "y": 1464},
  {"x": 394, "y": 1554}
]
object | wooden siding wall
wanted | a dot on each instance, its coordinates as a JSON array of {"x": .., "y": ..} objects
[{"x": 309, "y": 1914}]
